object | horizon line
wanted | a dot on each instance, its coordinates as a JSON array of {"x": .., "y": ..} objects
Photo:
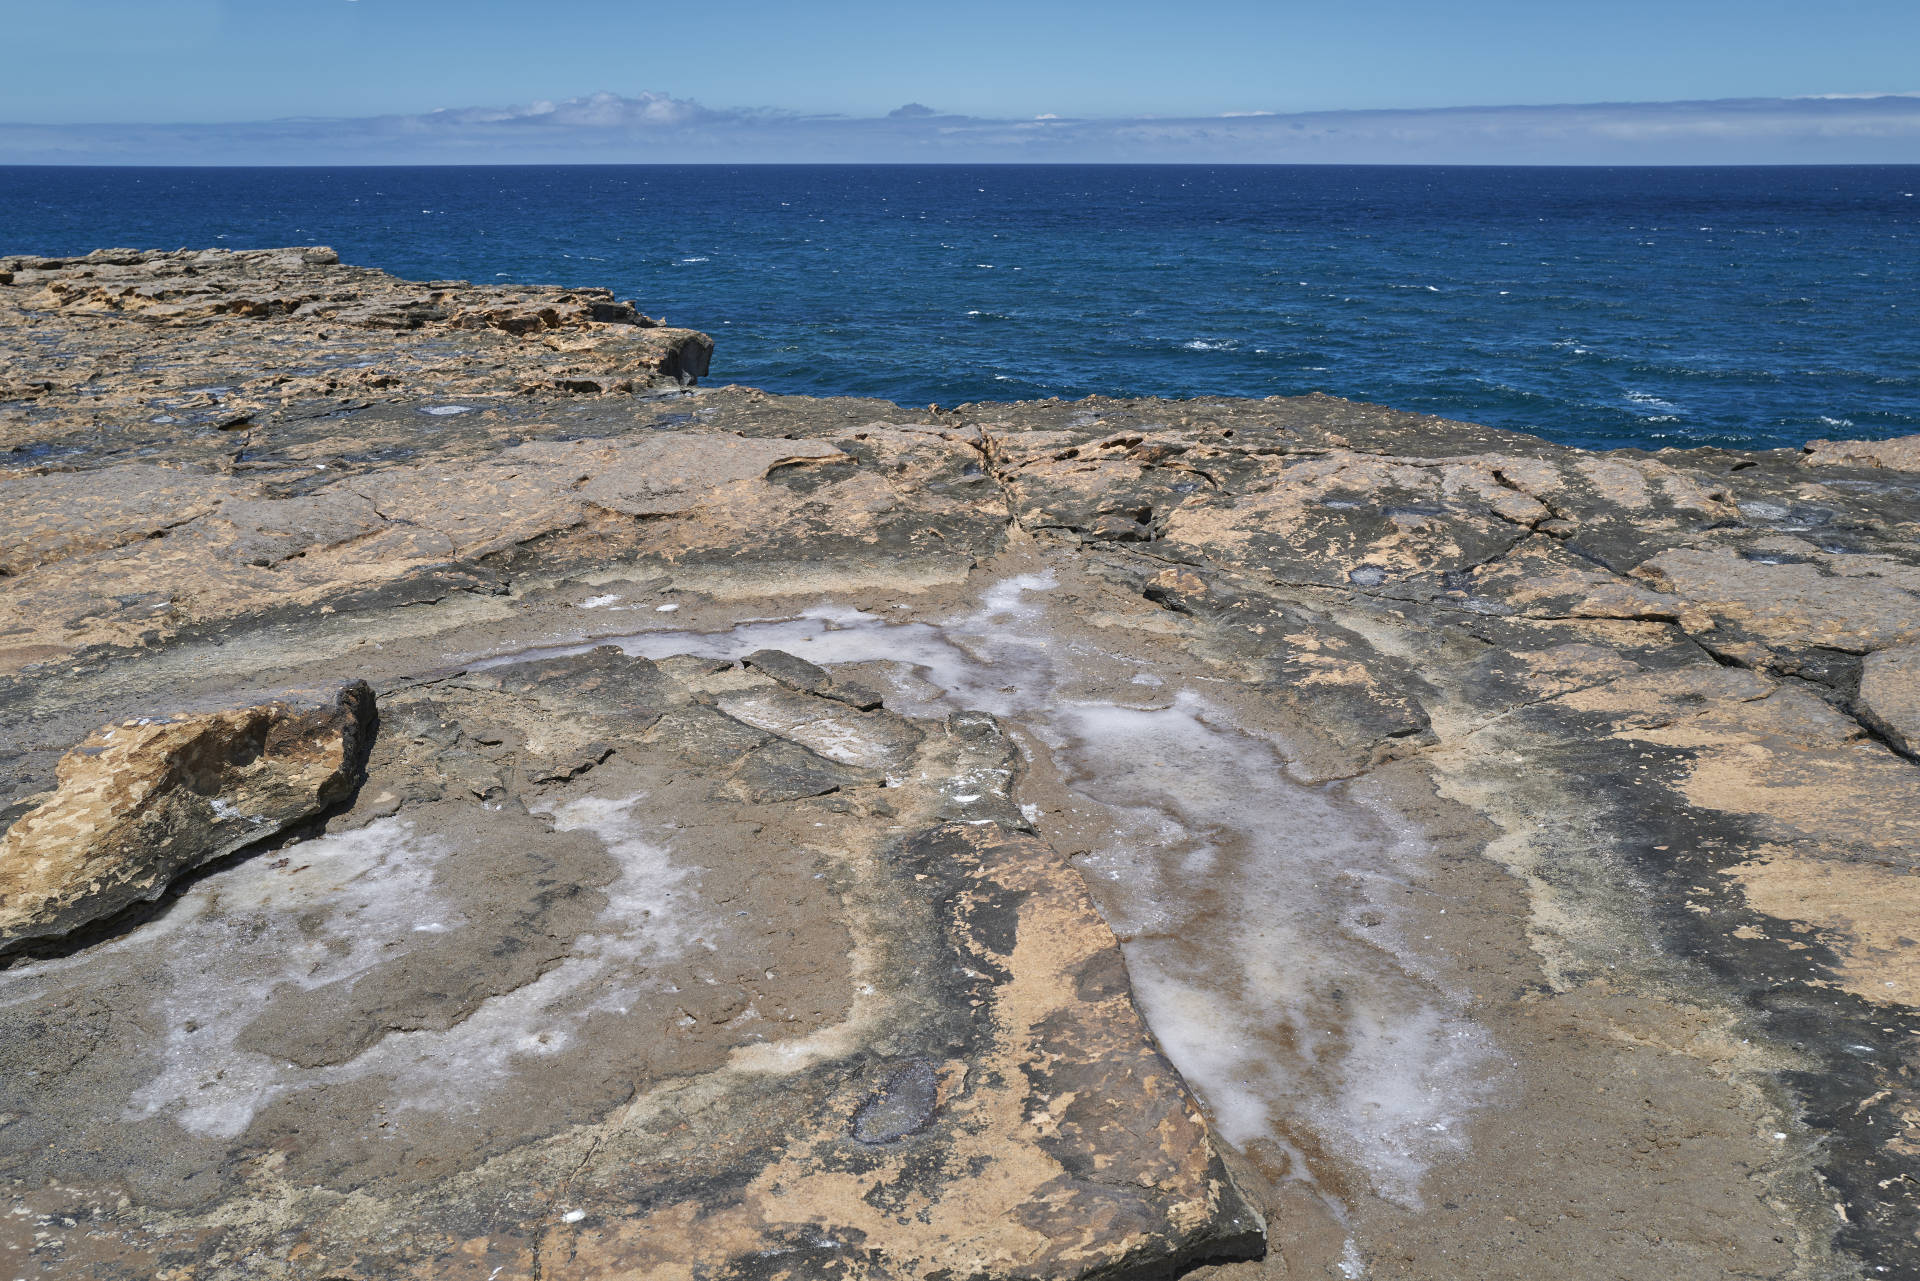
[{"x": 171, "y": 166}]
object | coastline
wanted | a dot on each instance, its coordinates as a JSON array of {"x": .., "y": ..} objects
[
  {"x": 1634, "y": 732},
  {"x": 1538, "y": 300}
]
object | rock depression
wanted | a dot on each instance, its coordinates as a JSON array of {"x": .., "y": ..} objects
[{"x": 479, "y": 805}]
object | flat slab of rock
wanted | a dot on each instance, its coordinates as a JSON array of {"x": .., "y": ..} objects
[
  {"x": 569, "y": 993},
  {"x": 1890, "y": 695},
  {"x": 1900, "y": 454},
  {"x": 177, "y": 551},
  {"x": 220, "y": 341}
]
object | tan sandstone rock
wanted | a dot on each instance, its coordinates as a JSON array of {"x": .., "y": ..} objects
[
  {"x": 1902, "y": 453},
  {"x": 1890, "y": 695},
  {"x": 143, "y": 801}
]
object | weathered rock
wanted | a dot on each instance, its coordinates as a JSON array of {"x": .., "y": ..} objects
[
  {"x": 180, "y": 551},
  {"x": 793, "y": 672},
  {"x": 618, "y": 967},
  {"x": 1798, "y": 598},
  {"x": 214, "y": 351},
  {"x": 1900, "y": 454},
  {"x": 51, "y": 518},
  {"x": 625, "y": 1017},
  {"x": 1890, "y": 696},
  {"x": 139, "y": 803},
  {"x": 808, "y": 678}
]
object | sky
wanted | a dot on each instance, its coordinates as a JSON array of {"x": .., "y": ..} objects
[{"x": 732, "y": 67}]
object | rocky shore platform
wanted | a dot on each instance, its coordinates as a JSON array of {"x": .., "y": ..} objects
[{"x": 477, "y": 804}]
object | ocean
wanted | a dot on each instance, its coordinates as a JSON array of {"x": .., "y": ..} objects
[{"x": 1599, "y": 307}]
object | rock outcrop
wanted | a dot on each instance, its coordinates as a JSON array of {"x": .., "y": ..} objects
[
  {"x": 160, "y": 347},
  {"x": 1900, "y": 454},
  {"x": 815, "y": 838},
  {"x": 141, "y": 802}
]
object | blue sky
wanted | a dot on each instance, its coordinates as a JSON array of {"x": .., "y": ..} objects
[
  {"x": 151, "y": 61},
  {"x": 1356, "y": 81}
]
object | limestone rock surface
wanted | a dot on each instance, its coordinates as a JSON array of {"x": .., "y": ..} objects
[
  {"x": 1899, "y": 454},
  {"x": 169, "y": 345},
  {"x": 1890, "y": 695},
  {"x": 855, "y": 1026},
  {"x": 818, "y": 838}
]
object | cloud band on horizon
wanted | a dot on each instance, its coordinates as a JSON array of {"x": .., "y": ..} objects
[{"x": 658, "y": 128}]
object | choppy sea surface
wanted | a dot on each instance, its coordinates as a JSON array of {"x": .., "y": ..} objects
[{"x": 1602, "y": 307}]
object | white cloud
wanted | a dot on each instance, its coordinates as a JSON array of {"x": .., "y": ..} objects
[{"x": 608, "y": 127}]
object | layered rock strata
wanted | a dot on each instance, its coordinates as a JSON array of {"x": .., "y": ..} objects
[
  {"x": 738, "y": 961},
  {"x": 157, "y": 349}
]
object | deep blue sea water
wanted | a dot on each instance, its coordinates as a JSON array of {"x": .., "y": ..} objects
[{"x": 1643, "y": 307}]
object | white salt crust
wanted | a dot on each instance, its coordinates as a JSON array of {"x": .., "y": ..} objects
[
  {"x": 1264, "y": 920},
  {"x": 346, "y": 903}
]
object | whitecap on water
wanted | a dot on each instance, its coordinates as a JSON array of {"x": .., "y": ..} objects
[{"x": 1647, "y": 400}]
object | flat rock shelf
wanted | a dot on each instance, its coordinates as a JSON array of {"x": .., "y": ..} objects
[{"x": 478, "y": 804}]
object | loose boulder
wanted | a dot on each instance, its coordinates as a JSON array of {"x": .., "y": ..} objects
[{"x": 143, "y": 801}]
